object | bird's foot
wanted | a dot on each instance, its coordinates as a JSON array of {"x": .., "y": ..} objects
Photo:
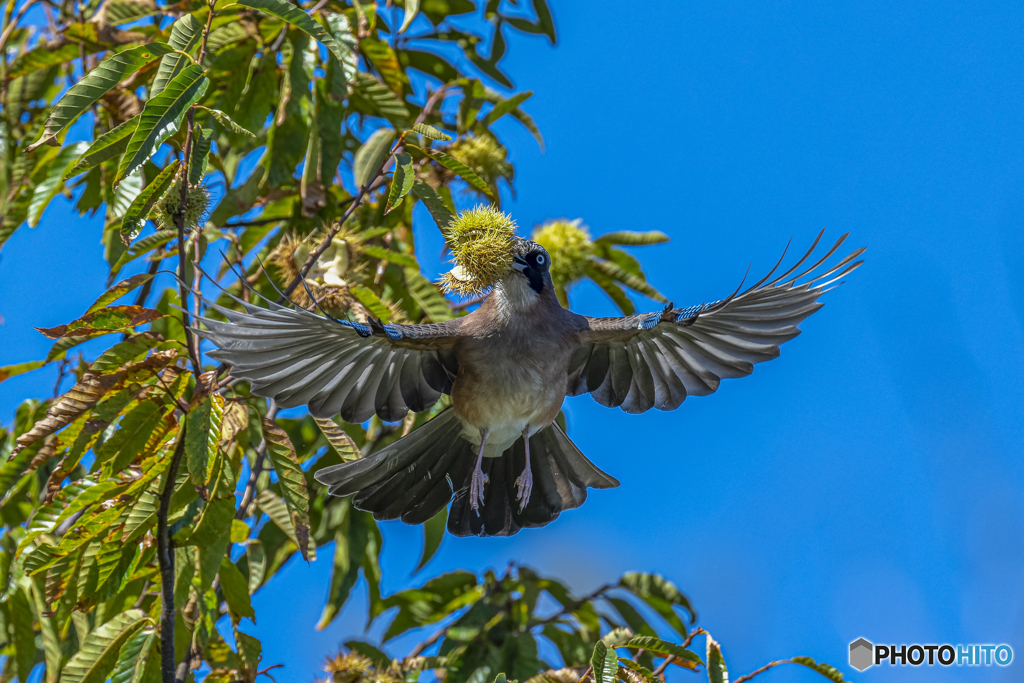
[
  {"x": 476, "y": 489},
  {"x": 524, "y": 486}
]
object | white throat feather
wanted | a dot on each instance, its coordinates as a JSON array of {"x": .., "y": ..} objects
[{"x": 514, "y": 296}]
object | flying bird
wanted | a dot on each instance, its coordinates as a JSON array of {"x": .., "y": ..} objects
[{"x": 496, "y": 453}]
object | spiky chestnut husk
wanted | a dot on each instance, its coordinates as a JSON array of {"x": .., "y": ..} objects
[
  {"x": 484, "y": 155},
  {"x": 348, "y": 668},
  {"x": 568, "y": 243},
  {"x": 329, "y": 278},
  {"x": 481, "y": 245},
  {"x": 197, "y": 202}
]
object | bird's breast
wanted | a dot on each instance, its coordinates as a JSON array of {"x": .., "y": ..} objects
[{"x": 507, "y": 384}]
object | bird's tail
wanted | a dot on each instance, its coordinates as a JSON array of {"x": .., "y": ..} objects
[{"x": 415, "y": 478}]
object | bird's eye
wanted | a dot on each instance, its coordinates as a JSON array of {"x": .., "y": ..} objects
[{"x": 540, "y": 259}]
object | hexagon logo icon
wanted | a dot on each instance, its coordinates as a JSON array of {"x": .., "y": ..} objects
[{"x": 861, "y": 654}]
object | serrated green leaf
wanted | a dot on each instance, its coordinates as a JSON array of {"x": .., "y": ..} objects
[
  {"x": 135, "y": 217},
  {"x": 214, "y": 522},
  {"x": 458, "y": 168},
  {"x": 300, "y": 20},
  {"x": 662, "y": 595},
  {"x": 281, "y": 453},
  {"x": 391, "y": 256},
  {"x": 632, "y": 617},
  {"x": 380, "y": 100},
  {"x": 433, "y": 534},
  {"x": 8, "y": 371},
  {"x": 162, "y": 116},
  {"x": 127, "y": 190},
  {"x": 530, "y": 125},
  {"x": 137, "y": 657},
  {"x": 431, "y": 132},
  {"x": 87, "y": 91},
  {"x": 401, "y": 182},
  {"x": 826, "y": 670},
  {"x": 717, "y": 671},
  {"x": 433, "y": 202},
  {"x": 257, "y": 564},
  {"x": 506, "y": 106},
  {"x": 114, "y": 12},
  {"x": 199, "y": 156},
  {"x": 609, "y": 287},
  {"x": 385, "y": 62},
  {"x": 106, "y": 146},
  {"x": 142, "y": 246},
  {"x": 605, "y": 663},
  {"x": 97, "y": 655},
  {"x": 632, "y": 239},
  {"x": 427, "y": 296},
  {"x": 228, "y": 122},
  {"x": 412, "y": 8},
  {"x": 544, "y": 20},
  {"x": 341, "y": 442},
  {"x": 52, "y": 654},
  {"x": 371, "y": 302},
  {"x": 371, "y": 155},
  {"x": 123, "y": 352},
  {"x": 357, "y": 542},
  {"x": 186, "y": 34},
  {"x": 272, "y": 504},
  {"x": 53, "y": 182},
  {"x": 236, "y": 590},
  {"x": 23, "y": 637},
  {"x": 663, "y": 648},
  {"x": 202, "y": 437},
  {"x": 118, "y": 290},
  {"x": 340, "y": 28},
  {"x": 131, "y": 437}
]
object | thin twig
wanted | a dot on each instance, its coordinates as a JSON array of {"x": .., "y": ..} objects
[
  {"x": 13, "y": 24},
  {"x": 165, "y": 547},
  {"x": 427, "y": 108},
  {"x": 257, "y": 468},
  {"x": 764, "y": 668},
  {"x": 689, "y": 639},
  {"x": 575, "y": 605},
  {"x": 664, "y": 665},
  {"x": 197, "y": 274},
  {"x": 165, "y": 555},
  {"x": 261, "y": 221},
  {"x": 467, "y": 303},
  {"x": 434, "y": 637}
]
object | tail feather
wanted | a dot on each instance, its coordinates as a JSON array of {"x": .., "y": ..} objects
[{"x": 416, "y": 477}]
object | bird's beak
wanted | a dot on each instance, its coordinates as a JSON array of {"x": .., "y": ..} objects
[{"x": 519, "y": 264}]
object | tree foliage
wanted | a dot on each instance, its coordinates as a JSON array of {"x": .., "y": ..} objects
[{"x": 144, "y": 506}]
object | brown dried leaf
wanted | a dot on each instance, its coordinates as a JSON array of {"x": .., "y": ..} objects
[
  {"x": 111, "y": 318},
  {"x": 236, "y": 418},
  {"x": 76, "y": 401}
]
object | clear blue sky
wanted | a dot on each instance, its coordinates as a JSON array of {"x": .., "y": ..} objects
[{"x": 869, "y": 482}]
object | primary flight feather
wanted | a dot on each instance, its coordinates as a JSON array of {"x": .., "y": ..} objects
[{"x": 507, "y": 366}]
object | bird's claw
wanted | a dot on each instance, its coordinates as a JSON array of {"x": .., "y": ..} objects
[
  {"x": 524, "y": 487},
  {"x": 476, "y": 490}
]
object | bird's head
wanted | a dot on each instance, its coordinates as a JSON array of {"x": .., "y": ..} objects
[{"x": 531, "y": 261}]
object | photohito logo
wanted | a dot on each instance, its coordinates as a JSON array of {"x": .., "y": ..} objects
[{"x": 864, "y": 654}]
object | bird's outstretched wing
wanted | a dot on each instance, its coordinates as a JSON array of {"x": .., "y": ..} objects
[
  {"x": 334, "y": 366},
  {"x": 656, "y": 360}
]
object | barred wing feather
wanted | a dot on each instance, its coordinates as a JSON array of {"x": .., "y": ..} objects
[
  {"x": 334, "y": 366},
  {"x": 656, "y": 360}
]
